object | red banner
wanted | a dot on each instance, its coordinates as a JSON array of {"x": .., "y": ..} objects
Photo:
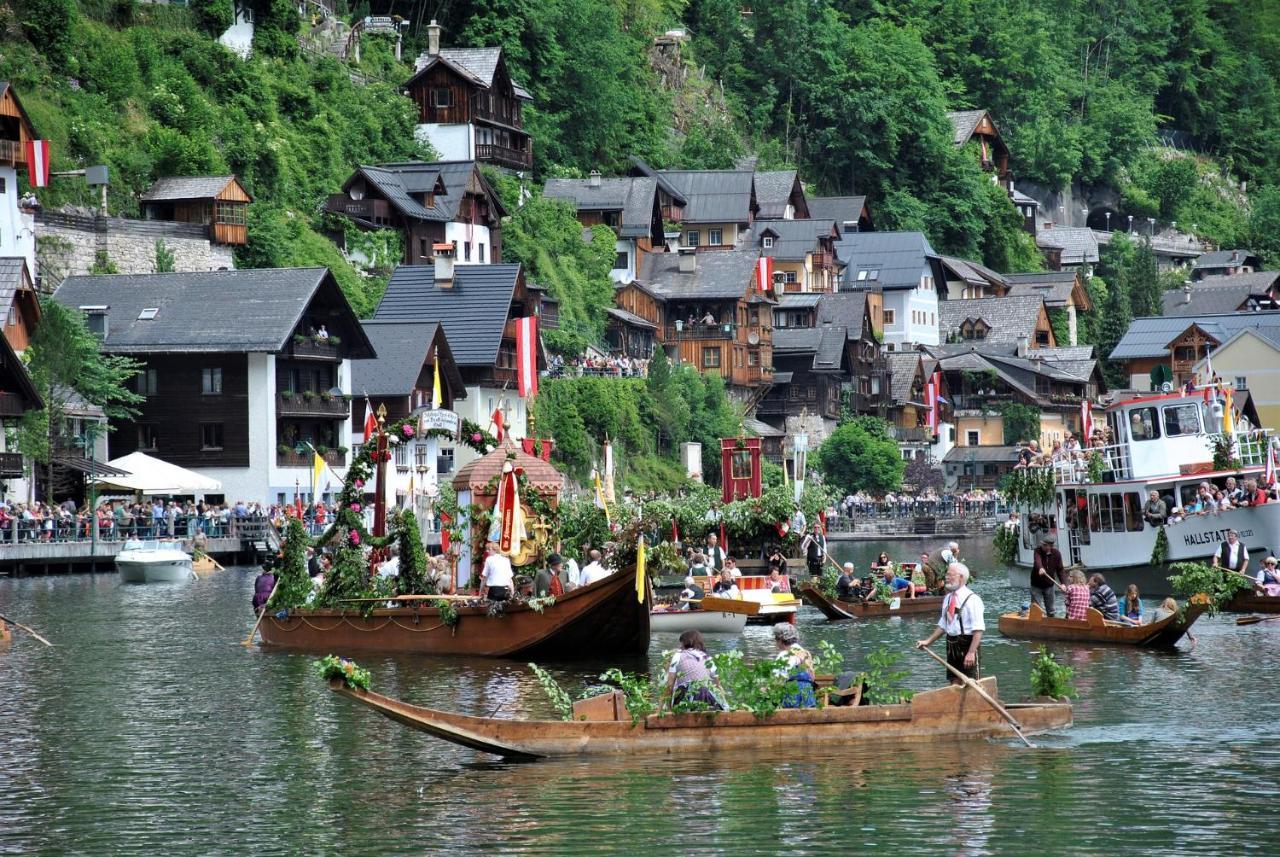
[
  {"x": 38, "y": 162},
  {"x": 508, "y": 509},
  {"x": 527, "y": 356},
  {"x": 764, "y": 273}
]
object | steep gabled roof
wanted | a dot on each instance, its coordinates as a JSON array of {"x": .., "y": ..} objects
[
  {"x": 15, "y": 284},
  {"x": 640, "y": 168},
  {"x": 253, "y": 310},
  {"x": 633, "y": 197},
  {"x": 448, "y": 179},
  {"x": 826, "y": 344},
  {"x": 1079, "y": 245},
  {"x": 774, "y": 190},
  {"x": 1007, "y": 318},
  {"x": 844, "y": 309},
  {"x": 717, "y": 275},
  {"x": 1056, "y": 287},
  {"x": 901, "y": 258},
  {"x": 473, "y": 312},
  {"x": 402, "y": 351},
  {"x": 477, "y": 64},
  {"x": 1225, "y": 259},
  {"x": 974, "y": 273},
  {"x": 841, "y": 209},
  {"x": 174, "y": 188},
  {"x": 714, "y": 196},
  {"x": 903, "y": 367},
  {"x": 792, "y": 239},
  {"x": 1149, "y": 336},
  {"x": 963, "y": 124}
]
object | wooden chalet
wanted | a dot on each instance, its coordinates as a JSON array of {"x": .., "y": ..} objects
[
  {"x": 967, "y": 279},
  {"x": 1252, "y": 292},
  {"x": 849, "y": 213},
  {"x": 1015, "y": 320},
  {"x": 632, "y": 206},
  {"x": 856, "y": 312},
  {"x": 720, "y": 206},
  {"x": 978, "y": 127},
  {"x": 470, "y": 107},
  {"x": 671, "y": 201},
  {"x": 15, "y": 129},
  {"x": 634, "y": 326},
  {"x": 803, "y": 253},
  {"x": 1062, "y": 291},
  {"x": 218, "y": 202},
  {"x": 713, "y": 316},
  {"x": 17, "y": 396},
  {"x": 19, "y": 304},
  {"x": 1225, "y": 263},
  {"x": 429, "y": 203},
  {"x": 780, "y": 195}
]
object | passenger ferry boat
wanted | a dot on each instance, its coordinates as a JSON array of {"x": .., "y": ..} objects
[{"x": 1162, "y": 442}]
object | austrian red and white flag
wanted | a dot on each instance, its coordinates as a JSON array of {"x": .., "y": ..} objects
[
  {"x": 527, "y": 356},
  {"x": 38, "y": 162},
  {"x": 931, "y": 402},
  {"x": 764, "y": 273},
  {"x": 1269, "y": 475},
  {"x": 1086, "y": 420},
  {"x": 370, "y": 422}
]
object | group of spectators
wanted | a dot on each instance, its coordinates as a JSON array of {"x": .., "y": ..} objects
[
  {"x": 948, "y": 504},
  {"x": 118, "y": 520},
  {"x": 619, "y": 366},
  {"x": 1209, "y": 499}
]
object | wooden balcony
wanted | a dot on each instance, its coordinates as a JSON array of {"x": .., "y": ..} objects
[
  {"x": 10, "y": 465},
  {"x": 759, "y": 375},
  {"x": 11, "y": 153},
  {"x": 292, "y": 459},
  {"x": 689, "y": 333},
  {"x": 10, "y": 405},
  {"x": 503, "y": 156},
  {"x": 372, "y": 210},
  {"x": 310, "y": 349},
  {"x": 301, "y": 405},
  {"x": 507, "y": 112}
]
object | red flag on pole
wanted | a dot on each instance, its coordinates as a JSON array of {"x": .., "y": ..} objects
[
  {"x": 38, "y": 162},
  {"x": 724, "y": 542},
  {"x": 499, "y": 431},
  {"x": 1086, "y": 420},
  {"x": 370, "y": 421},
  {"x": 445, "y": 521},
  {"x": 527, "y": 356},
  {"x": 1269, "y": 475},
  {"x": 764, "y": 273}
]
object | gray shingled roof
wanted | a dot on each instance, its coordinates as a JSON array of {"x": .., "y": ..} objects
[
  {"x": 1008, "y": 317},
  {"x": 974, "y": 272},
  {"x": 826, "y": 344},
  {"x": 792, "y": 239},
  {"x": 402, "y": 350},
  {"x": 758, "y": 428},
  {"x": 397, "y": 181},
  {"x": 843, "y": 309},
  {"x": 718, "y": 274},
  {"x": 479, "y": 63},
  {"x": 634, "y": 197},
  {"x": 713, "y": 196},
  {"x": 799, "y": 300},
  {"x": 11, "y": 280},
  {"x": 186, "y": 187},
  {"x": 902, "y": 372},
  {"x": 253, "y": 310},
  {"x": 474, "y": 311},
  {"x": 1054, "y": 286},
  {"x": 902, "y": 258},
  {"x": 1223, "y": 259},
  {"x": 963, "y": 123},
  {"x": 773, "y": 192},
  {"x": 630, "y": 318},
  {"x": 1205, "y": 299},
  {"x": 1020, "y": 198},
  {"x": 1079, "y": 245},
  {"x": 841, "y": 209},
  {"x": 998, "y": 454},
  {"x": 1150, "y": 336}
]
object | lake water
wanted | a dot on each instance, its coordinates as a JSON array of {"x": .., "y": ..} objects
[{"x": 150, "y": 729}]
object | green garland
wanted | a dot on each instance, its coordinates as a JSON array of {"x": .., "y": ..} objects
[
  {"x": 1050, "y": 678},
  {"x": 293, "y": 583},
  {"x": 1160, "y": 550},
  {"x": 1097, "y": 467},
  {"x": 1191, "y": 579},
  {"x": 1006, "y": 545},
  {"x": 1029, "y": 486},
  {"x": 351, "y": 673}
]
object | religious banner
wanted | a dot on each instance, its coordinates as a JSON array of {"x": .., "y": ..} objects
[{"x": 527, "y": 356}]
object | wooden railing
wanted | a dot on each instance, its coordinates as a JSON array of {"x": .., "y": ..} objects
[
  {"x": 691, "y": 332},
  {"x": 311, "y": 349},
  {"x": 301, "y": 405},
  {"x": 364, "y": 209},
  {"x": 504, "y": 156},
  {"x": 293, "y": 459},
  {"x": 10, "y": 465},
  {"x": 11, "y": 152}
]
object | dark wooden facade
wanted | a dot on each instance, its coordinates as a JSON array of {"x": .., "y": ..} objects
[
  {"x": 226, "y": 213},
  {"x": 15, "y": 129},
  {"x": 444, "y": 95}
]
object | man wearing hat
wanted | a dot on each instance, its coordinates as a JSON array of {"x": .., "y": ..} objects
[
  {"x": 1046, "y": 573},
  {"x": 547, "y": 581}
]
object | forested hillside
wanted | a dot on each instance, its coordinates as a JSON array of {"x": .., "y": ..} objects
[{"x": 852, "y": 92}]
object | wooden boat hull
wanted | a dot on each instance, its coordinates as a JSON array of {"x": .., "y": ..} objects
[
  {"x": 835, "y": 609},
  {"x": 1162, "y": 634},
  {"x": 602, "y": 619},
  {"x": 1251, "y": 602},
  {"x": 705, "y": 621},
  {"x": 205, "y": 565},
  {"x": 944, "y": 715}
]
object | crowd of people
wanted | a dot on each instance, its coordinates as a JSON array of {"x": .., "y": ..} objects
[
  {"x": 119, "y": 520},
  {"x": 1209, "y": 498},
  {"x": 947, "y": 504},
  {"x": 610, "y": 366}
]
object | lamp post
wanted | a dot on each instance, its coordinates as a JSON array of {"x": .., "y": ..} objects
[
  {"x": 1107, "y": 215},
  {"x": 972, "y": 459},
  {"x": 87, "y": 441},
  {"x": 1151, "y": 227}
]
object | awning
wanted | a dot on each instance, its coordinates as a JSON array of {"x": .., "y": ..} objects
[
  {"x": 91, "y": 468},
  {"x": 148, "y": 475}
]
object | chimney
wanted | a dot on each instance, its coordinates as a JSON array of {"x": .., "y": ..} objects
[
  {"x": 1186, "y": 291},
  {"x": 433, "y": 38},
  {"x": 444, "y": 256},
  {"x": 688, "y": 260},
  {"x": 1023, "y": 341},
  {"x": 593, "y": 179},
  {"x": 1235, "y": 256}
]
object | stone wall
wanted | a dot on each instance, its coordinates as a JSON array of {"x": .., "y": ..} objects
[{"x": 69, "y": 244}]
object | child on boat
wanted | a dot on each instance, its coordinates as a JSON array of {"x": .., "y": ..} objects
[
  {"x": 1131, "y": 607},
  {"x": 691, "y": 676}
]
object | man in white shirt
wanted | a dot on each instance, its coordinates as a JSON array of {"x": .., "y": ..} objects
[
  {"x": 714, "y": 553},
  {"x": 593, "y": 570},
  {"x": 497, "y": 578},
  {"x": 1231, "y": 554},
  {"x": 961, "y": 621}
]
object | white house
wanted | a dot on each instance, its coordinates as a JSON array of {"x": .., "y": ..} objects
[
  {"x": 910, "y": 275},
  {"x": 247, "y": 374}
]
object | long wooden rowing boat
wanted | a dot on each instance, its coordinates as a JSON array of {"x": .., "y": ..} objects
[
  {"x": 1163, "y": 634},
  {"x": 1252, "y": 602},
  {"x": 601, "y": 619},
  {"x": 835, "y": 609},
  {"x": 704, "y": 621},
  {"x": 947, "y": 714}
]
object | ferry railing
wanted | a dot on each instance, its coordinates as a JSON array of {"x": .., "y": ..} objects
[
  {"x": 1073, "y": 468},
  {"x": 1251, "y": 447}
]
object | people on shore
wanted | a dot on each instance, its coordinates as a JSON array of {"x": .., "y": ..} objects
[
  {"x": 1046, "y": 574},
  {"x": 962, "y": 622},
  {"x": 1103, "y": 598},
  {"x": 796, "y": 664},
  {"x": 691, "y": 676}
]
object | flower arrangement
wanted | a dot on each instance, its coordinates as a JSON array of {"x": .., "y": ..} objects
[
  {"x": 352, "y": 674},
  {"x": 475, "y": 437},
  {"x": 355, "y": 507},
  {"x": 406, "y": 430},
  {"x": 354, "y": 536}
]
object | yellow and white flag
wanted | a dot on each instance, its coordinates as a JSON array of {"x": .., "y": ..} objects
[{"x": 640, "y": 561}]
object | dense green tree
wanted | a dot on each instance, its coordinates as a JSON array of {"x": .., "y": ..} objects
[
  {"x": 1021, "y": 423},
  {"x": 854, "y": 459},
  {"x": 213, "y": 16},
  {"x": 1264, "y": 226}
]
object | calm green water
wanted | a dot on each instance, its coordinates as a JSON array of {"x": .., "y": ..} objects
[{"x": 149, "y": 729}]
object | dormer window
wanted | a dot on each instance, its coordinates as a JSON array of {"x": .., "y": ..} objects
[
  {"x": 767, "y": 241},
  {"x": 96, "y": 319}
]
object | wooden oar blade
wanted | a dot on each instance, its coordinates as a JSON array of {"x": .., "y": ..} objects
[{"x": 25, "y": 628}]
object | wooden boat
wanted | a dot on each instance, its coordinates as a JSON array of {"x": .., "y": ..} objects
[
  {"x": 601, "y": 619},
  {"x": 775, "y": 607},
  {"x": 205, "y": 564},
  {"x": 947, "y": 714},
  {"x": 716, "y": 616},
  {"x": 1252, "y": 602},
  {"x": 835, "y": 609},
  {"x": 1163, "y": 634}
]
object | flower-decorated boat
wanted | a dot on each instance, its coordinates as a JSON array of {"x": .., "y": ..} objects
[
  {"x": 944, "y": 715},
  {"x": 835, "y": 609},
  {"x": 1095, "y": 629}
]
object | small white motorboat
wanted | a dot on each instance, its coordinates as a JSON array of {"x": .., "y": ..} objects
[
  {"x": 705, "y": 621},
  {"x": 153, "y": 561}
]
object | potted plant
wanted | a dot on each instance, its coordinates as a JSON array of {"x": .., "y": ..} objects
[
  {"x": 322, "y": 450},
  {"x": 342, "y": 450},
  {"x": 326, "y": 396},
  {"x": 286, "y": 394},
  {"x": 299, "y": 338},
  {"x": 284, "y": 448},
  {"x": 334, "y": 340},
  {"x": 309, "y": 395}
]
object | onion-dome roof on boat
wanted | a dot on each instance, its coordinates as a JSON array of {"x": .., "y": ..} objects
[{"x": 478, "y": 474}]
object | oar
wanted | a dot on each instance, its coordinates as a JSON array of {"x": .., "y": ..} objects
[
  {"x": 1253, "y": 620},
  {"x": 25, "y": 628},
  {"x": 1004, "y": 712},
  {"x": 248, "y": 641}
]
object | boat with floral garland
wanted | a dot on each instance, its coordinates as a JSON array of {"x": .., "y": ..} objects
[
  {"x": 502, "y": 495},
  {"x": 943, "y": 715}
]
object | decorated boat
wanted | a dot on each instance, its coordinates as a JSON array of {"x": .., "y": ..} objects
[
  {"x": 1095, "y": 629},
  {"x": 944, "y": 715},
  {"x": 1252, "y": 602},
  {"x": 507, "y": 498},
  {"x": 835, "y": 609},
  {"x": 1169, "y": 443}
]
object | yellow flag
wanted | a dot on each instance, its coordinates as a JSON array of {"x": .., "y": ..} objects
[
  {"x": 640, "y": 570},
  {"x": 317, "y": 473},
  {"x": 437, "y": 399},
  {"x": 1228, "y": 421}
]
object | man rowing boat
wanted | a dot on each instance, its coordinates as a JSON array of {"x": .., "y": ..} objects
[{"x": 961, "y": 621}]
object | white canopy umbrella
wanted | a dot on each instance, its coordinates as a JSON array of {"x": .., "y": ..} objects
[{"x": 148, "y": 475}]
